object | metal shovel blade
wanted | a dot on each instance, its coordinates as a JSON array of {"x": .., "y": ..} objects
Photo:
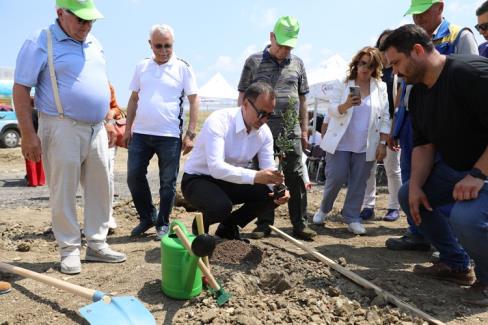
[{"x": 126, "y": 310}]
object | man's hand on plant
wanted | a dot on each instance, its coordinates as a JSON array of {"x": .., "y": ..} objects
[{"x": 268, "y": 176}]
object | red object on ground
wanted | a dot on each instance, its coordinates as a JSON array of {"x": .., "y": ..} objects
[{"x": 35, "y": 173}]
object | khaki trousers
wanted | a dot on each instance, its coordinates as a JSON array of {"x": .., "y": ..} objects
[{"x": 76, "y": 153}]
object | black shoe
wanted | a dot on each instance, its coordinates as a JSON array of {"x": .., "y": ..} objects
[
  {"x": 408, "y": 242},
  {"x": 306, "y": 233},
  {"x": 141, "y": 228},
  {"x": 260, "y": 231},
  {"x": 229, "y": 232}
]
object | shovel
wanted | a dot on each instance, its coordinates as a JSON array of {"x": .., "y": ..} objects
[
  {"x": 106, "y": 309},
  {"x": 221, "y": 294}
]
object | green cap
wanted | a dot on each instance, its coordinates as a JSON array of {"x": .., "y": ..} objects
[
  {"x": 420, "y": 6},
  {"x": 85, "y": 9},
  {"x": 286, "y": 31}
]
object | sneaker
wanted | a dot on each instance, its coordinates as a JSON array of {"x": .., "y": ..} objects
[
  {"x": 70, "y": 264},
  {"x": 367, "y": 214},
  {"x": 477, "y": 294},
  {"x": 161, "y": 231},
  {"x": 319, "y": 217},
  {"x": 408, "y": 242},
  {"x": 142, "y": 227},
  {"x": 5, "y": 287},
  {"x": 260, "y": 231},
  {"x": 306, "y": 233},
  {"x": 356, "y": 228},
  {"x": 106, "y": 255},
  {"x": 442, "y": 271},
  {"x": 392, "y": 215}
]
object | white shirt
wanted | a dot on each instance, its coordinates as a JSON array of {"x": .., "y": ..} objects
[
  {"x": 224, "y": 148},
  {"x": 356, "y": 136},
  {"x": 161, "y": 89}
]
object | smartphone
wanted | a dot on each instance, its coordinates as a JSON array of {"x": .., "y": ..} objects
[{"x": 355, "y": 91}]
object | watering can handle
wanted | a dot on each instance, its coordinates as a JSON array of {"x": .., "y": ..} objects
[
  {"x": 201, "y": 230},
  {"x": 201, "y": 265},
  {"x": 60, "y": 284}
]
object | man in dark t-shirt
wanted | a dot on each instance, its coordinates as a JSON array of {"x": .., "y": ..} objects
[{"x": 450, "y": 118}]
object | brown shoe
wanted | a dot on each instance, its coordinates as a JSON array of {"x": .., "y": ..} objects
[
  {"x": 441, "y": 271},
  {"x": 5, "y": 287},
  {"x": 477, "y": 294},
  {"x": 305, "y": 234}
]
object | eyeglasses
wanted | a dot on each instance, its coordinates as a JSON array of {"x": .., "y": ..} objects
[
  {"x": 165, "y": 46},
  {"x": 81, "y": 21},
  {"x": 481, "y": 27},
  {"x": 261, "y": 114},
  {"x": 365, "y": 64}
]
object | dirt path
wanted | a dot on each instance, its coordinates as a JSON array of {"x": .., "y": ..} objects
[{"x": 273, "y": 283}]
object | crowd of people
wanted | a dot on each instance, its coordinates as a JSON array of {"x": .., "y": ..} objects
[{"x": 406, "y": 101}]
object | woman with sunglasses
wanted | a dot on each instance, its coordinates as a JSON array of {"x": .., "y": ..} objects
[{"x": 358, "y": 128}]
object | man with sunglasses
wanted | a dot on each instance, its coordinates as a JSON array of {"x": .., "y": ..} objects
[
  {"x": 216, "y": 175},
  {"x": 72, "y": 136},
  {"x": 482, "y": 27},
  {"x": 155, "y": 126},
  {"x": 286, "y": 74}
]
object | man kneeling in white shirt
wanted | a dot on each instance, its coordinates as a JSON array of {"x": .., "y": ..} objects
[{"x": 216, "y": 176}]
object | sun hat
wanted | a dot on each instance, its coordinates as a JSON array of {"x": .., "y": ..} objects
[
  {"x": 420, "y": 6},
  {"x": 85, "y": 9},
  {"x": 286, "y": 31}
]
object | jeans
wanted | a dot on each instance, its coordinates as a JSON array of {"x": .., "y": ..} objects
[
  {"x": 342, "y": 167},
  {"x": 142, "y": 148},
  {"x": 215, "y": 199},
  {"x": 468, "y": 221}
]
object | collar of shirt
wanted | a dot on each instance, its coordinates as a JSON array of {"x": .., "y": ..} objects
[
  {"x": 442, "y": 30},
  {"x": 60, "y": 35},
  {"x": 268, "y": 56},
  {"x": 241, "y": 126}
]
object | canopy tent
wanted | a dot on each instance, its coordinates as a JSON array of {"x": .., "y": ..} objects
[{"x": 218, "y": 92}]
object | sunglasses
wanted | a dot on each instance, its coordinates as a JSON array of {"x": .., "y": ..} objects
[
  {"x": 481, "y": 27},
  {"x": 165, "y": 46},
  {"x": 81, "y": 21},
  {"x": 261, "y": 114},
  {"x": 366, "y": 65}
]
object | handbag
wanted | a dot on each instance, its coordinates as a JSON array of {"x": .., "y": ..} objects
[{"x": 119, "y": 127}]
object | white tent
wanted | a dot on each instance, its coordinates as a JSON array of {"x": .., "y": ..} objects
[{"x": 217, "y": 88}]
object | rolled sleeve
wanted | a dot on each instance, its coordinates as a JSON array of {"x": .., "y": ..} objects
[
  {"x": 190, "y": 82},
  {"x": 385, "y": 114},
  {"x": 336, "y": 99}
]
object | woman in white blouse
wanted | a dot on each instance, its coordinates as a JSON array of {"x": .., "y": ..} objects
[{"x": 356, "y": 136}]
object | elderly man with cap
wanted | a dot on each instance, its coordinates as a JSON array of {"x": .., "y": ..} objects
[
  {"x": 66, "y": 65},
  {"x": 286, "y": 74}
]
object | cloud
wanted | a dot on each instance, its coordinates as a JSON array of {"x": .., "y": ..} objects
[
  {"x": 463, "y": 6},
  {"x": 262, "y": 18}
]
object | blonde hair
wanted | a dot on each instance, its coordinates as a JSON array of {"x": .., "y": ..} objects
[{"x": 375, "y": 56}]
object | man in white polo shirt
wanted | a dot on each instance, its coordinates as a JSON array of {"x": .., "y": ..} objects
[
  {"x": 155, "y": 126},
  {"x": 216, "y": 174}
]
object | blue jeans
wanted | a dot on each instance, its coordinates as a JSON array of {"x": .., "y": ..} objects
[
  {"x": 142, "y": 148},
  {"x": 468, "y": 221}
]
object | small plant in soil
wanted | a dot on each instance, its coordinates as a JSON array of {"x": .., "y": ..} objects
[{"x": 284, "y": 142}]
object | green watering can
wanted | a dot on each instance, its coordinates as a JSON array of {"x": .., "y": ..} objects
[{"x": 181, "y": 277}]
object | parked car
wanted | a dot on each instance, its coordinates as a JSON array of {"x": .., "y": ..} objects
[{"x": 9, "y": 129}]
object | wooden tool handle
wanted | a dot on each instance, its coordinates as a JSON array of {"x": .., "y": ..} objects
[
  {"x": 201, "y": 231},
  {"x": 201, "y": 265},
  {"x": 359, "y": 280},
  {"x": 60, "y": 284}
]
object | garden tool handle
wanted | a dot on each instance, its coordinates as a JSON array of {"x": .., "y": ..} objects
[
  {"x": 201, "y": 231},
  {"x": 57, "y": 283},
  {"x": 201, "y": 265}
]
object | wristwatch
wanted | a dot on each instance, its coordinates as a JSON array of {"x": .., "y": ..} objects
[
  {"x": 110, "y": 122},
  {"x": 191, "y": 134},
  {"x": 477, "y": 173},
  {"x": 383, "y": 142}
]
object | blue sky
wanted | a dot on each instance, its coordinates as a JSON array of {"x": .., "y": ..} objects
[{"x": 217, "y": 36}]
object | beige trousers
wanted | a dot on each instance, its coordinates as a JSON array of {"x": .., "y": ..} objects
[{"x": 76, "y": 153}]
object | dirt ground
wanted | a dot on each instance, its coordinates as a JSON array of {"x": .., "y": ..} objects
[{"x": 271, "y": 281}]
